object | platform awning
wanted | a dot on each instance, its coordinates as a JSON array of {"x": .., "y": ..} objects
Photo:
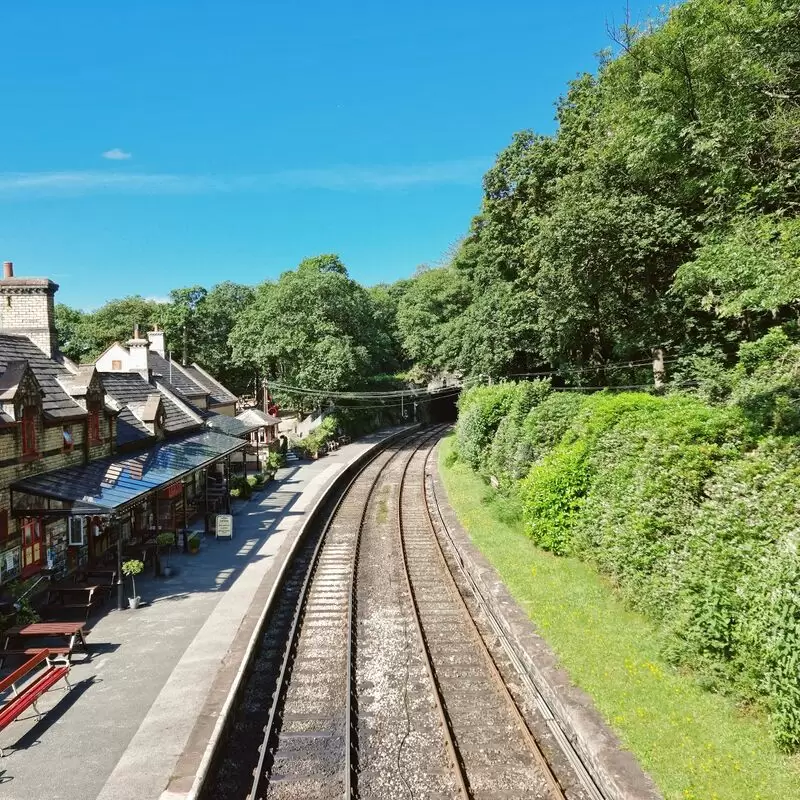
[{"x": 108, "y": 485}]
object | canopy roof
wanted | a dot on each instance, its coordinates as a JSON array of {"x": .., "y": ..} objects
[
  {"x": 109, "y": 484},
  {"x": 232, "y": 426}
]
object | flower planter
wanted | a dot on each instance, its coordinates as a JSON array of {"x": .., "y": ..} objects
[{"x": 134, "y": 602}]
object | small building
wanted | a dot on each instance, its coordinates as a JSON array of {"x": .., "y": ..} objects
[
  {"x": 53, "y": 415},
  {"x": 92, "y": 462},
  {"x": 149, "y": 358}
]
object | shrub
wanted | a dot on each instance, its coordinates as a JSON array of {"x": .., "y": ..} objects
[
  {"x": 694, "y": 520},
  {"x": 502, "y": 459},
  {"x": 240, "y": 487},
  {"x": 480, "y": 411}
]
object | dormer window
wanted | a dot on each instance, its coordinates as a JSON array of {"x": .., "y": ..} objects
[
  {"x": 94, "y": 426},
  {"x": 29, "y": 450}
]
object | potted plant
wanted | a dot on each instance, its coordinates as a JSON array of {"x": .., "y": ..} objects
[
  {"x": 194, "y": 543},
  {"x": 166, "y": 539},
  {"x": 131, "y": 568}
]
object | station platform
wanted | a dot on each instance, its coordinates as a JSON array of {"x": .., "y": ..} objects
[{"x": 146, "y": 699}]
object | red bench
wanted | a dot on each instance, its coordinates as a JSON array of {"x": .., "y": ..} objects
[{"x": 27, "y": 696}]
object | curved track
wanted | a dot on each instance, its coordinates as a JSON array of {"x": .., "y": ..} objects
[{"x": 374, "y": 680}]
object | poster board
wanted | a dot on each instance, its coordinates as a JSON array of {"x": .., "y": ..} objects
[{"x": 224, "y": 526}]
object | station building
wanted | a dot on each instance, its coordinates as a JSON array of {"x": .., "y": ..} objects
[{"x": 96, "y": 459}]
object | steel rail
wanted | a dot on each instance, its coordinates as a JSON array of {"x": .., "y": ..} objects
[
  {"x": 260, "y": 777},
  {"x": 351, "y": 777},
  {"x": 553, "y": 785},
  {"x": 456, "y": 764},
  {"x": 567, "y": 748}
]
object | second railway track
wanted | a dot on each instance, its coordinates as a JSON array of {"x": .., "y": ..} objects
[{"x": 373, "y": 679}]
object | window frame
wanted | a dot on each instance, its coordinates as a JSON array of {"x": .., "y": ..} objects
[
  {"x": 28, "y": 434},
  {"x": 93, "y": 427},
  {"x": 81, "y": 524},
  {"x": 32, "y": 532}
]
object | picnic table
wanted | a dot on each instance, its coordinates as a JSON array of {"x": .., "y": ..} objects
[
  {"x": 67, "y": 598},
  {"x": 71, "y": 632}
]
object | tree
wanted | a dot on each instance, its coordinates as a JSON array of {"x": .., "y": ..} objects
[
  {"x": 313, "y": 327},
  {"x": 184, "y": 321},
  {"x": 73, "y": 338},
  {"x": 429, "y": 318},
  {"x": 115, "y": 321}
]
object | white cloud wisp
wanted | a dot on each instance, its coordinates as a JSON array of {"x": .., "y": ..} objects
[
  {"x": 343, "y": 179},
  {"x": 117, "y": 154}
]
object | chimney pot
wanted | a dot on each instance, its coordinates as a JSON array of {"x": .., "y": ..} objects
[{"x": 8, "y": 269}]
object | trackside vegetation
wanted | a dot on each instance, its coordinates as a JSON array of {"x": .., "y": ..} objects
[
  {"x": 688, "y": 506},
  {"x": 696, "y": 744}
]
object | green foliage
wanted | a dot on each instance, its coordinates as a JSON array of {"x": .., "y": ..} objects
[
  {"x": 131, "y": 569},
  {"x": 241, "y": 487},
  {"x": 314, "y": 326},
  {"x": 428, "y": 317},
  {"x": 320, "y": 436},
  {"x": 693, "y": 518},
  {"x": 504, "y": 452},
  {"x": 480, "y": 411}
]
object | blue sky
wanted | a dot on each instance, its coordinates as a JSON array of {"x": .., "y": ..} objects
[{"x": 164, "y": 143}]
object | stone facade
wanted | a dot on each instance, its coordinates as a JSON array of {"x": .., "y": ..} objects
[
  {"x": 53, "y": 454},
  {"x": 27, "y": 307}
]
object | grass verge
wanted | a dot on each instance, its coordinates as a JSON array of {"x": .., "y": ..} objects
[{"x": 696, "y": 745}]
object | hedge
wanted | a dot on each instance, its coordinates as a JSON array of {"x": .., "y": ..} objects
[{"x": 691, "y": 508}]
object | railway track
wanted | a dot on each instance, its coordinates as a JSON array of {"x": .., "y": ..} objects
[{"x": 374, "y": 680}]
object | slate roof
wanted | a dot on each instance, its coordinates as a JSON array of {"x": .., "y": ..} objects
[
  {"x": 130, "y": 430},
  {"x": 57, "y": 404},
  {"x": 130, "y": 388},
  {"x": 172, "y": 374},
  {"x": 218, "y": 393},
  {"x": 76, "y": 384},
  {"x": 230, "y": 425},
  {"x": 108, "y": 484},
  {"x": 257, "y": 417}
]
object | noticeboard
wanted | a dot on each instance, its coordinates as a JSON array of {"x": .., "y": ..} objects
[{"x": 224, "y": 526}]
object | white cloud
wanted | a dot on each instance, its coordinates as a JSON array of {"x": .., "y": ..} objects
[
  {"x": 341, "y": 178},
  {"x": 116, "y": 154}
]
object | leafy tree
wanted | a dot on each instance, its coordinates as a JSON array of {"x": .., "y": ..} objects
[
  {"x": 115, "y": 321},
  {"x": 314, "y": 326},
  {"x": 184, "y": 321},
  {"x": 73, "y": 340},
  {"x": 429, "y": 317}
]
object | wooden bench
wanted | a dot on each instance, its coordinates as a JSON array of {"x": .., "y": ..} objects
[{"x": 44, "y": 679}]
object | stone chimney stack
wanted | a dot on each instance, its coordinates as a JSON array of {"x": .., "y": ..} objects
[
  {"x": 139, "y": 349},
  {"x": 27, "y": 308},
  {"x": 156, "y": 338}
]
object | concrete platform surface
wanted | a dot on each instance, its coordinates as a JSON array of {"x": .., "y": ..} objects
[{"x": 146, "y": 699}]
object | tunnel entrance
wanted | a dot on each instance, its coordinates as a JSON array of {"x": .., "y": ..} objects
[{"x": 443, "y": 409}]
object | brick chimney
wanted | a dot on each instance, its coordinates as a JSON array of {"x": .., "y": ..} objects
[
  {"x": 139, "y": 349},
  {"x": 27, "y": 308},
  {"x": 156, "y": 338}
]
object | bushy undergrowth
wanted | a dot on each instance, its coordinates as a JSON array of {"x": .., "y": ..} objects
[{"x": 691, "y": 507}]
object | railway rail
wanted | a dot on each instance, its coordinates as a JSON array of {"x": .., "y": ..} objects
[{"x": 374, "y": 679}]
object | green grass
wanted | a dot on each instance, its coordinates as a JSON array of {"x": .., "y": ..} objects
[{"x": 696, "y": 745}]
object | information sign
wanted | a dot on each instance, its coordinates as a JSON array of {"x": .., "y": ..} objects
[{"x": 224, "y": 526}]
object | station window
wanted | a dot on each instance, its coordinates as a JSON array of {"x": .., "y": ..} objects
[
  {"x": 94, "y": 426},
  {"x": 69, "y": 441},
  {"x": 116, "y": 365},
  {"x": 29, "y": 433}
]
